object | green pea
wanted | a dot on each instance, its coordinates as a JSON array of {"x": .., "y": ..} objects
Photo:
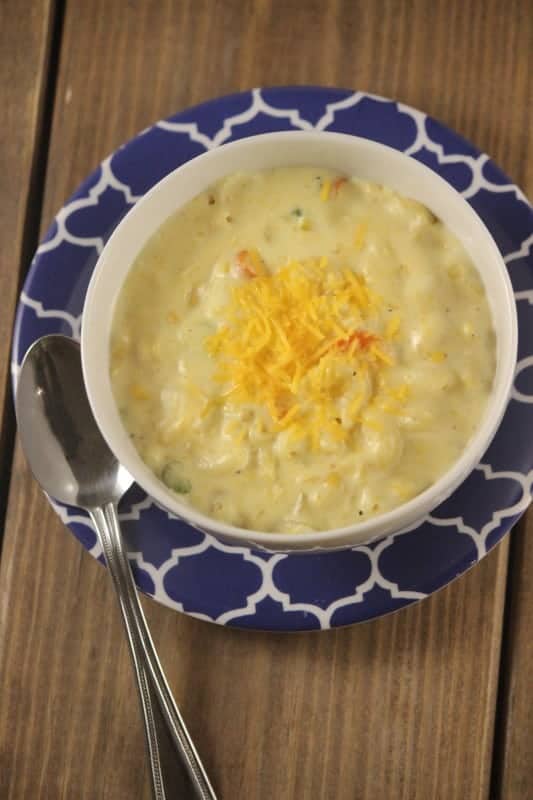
[{"x": 172, "y": 476}]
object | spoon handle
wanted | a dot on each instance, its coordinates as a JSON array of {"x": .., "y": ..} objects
[
  {"x": 147, "y": 666},
  {"x": 143, "y": 684}
]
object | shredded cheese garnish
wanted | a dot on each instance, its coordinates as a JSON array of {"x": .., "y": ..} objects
[
  {"x": 360, "y": 235},
  {"x": 302, "y": 343},
  {"x": 331, "y": 188},
  {"x": 393, "y": 326},
  {"x": 325, "y": 190}
]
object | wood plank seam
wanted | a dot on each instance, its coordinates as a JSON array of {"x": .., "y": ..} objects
[{"x": 30, "y": 237}]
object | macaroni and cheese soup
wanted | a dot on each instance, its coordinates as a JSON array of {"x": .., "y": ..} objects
[{"x": 295, "y": 350}]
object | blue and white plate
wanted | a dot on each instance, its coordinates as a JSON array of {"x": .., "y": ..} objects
[{"x": 192, "y": 572}]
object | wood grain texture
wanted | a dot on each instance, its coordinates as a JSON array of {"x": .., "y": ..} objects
[
  {"x": 25, "y": 34},
  {"x": 515, "y": 737},
  {"x": 400, "y": 708}
]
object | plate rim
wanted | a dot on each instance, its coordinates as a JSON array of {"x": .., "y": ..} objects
[{"x": 82, "y": 190}]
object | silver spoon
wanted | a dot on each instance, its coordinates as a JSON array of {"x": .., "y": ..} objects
[{"x": 70, "y": 459}]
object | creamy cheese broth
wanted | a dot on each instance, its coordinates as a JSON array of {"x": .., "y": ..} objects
[{"x": 296, "y": 351}]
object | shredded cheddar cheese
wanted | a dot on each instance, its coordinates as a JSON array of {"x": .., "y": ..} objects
[
  {"x": 360, "y": 235},
  {"x": 297, "y": 341},
  {"x": 325, "y": 190},
  {"x": 393, "y": 326}
]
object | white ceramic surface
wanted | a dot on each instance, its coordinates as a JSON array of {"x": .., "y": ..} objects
[{"x": 348, "y": 154}]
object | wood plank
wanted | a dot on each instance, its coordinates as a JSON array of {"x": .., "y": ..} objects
[
  {"x": 513, "y": 747},
  {"x": 23, "y": 83},
  {"x": 402, "y": 707}
]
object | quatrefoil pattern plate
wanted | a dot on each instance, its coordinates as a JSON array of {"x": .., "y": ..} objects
[{"x": 192, "y": 572}]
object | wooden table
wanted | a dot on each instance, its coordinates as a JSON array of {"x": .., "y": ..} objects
[{"x": 432, "y": 702}]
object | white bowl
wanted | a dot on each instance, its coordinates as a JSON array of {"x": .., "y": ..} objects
[{"x": 347, "y": 154}]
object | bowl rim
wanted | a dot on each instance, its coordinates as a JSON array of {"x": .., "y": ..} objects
[{"x": 361, "y": 532}]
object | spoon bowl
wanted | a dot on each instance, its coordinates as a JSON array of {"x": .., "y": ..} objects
[{"x": 63, "y": 445}]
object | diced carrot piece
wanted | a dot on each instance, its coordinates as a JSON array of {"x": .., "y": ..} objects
[
  {"x": 337, "y": 183},
  {"x": 244, "y": 264},
  {"x": 364, "y": 340}
]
